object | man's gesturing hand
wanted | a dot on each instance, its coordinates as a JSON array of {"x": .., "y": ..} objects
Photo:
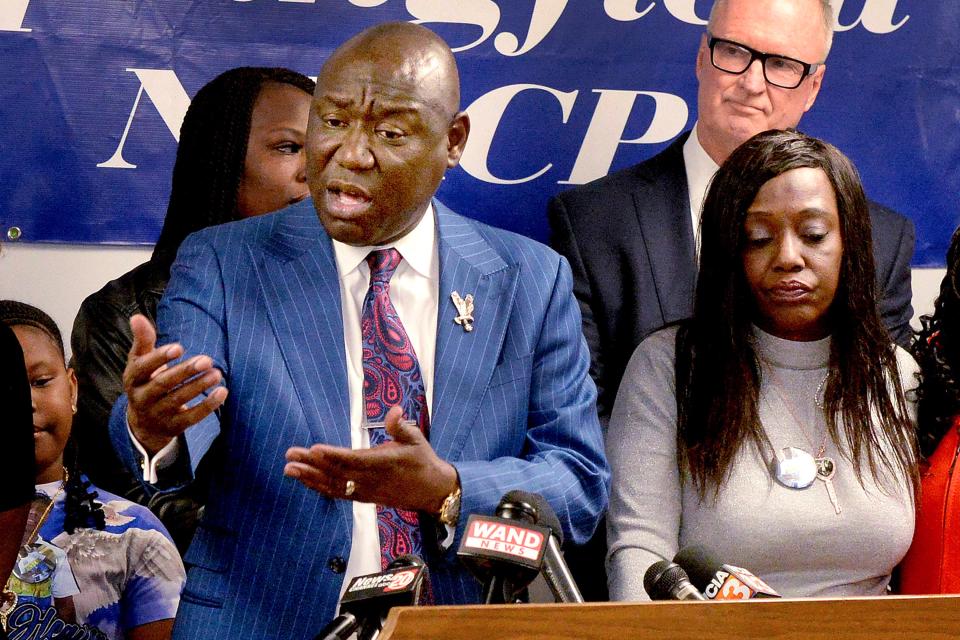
[
  {"x": 157, "y": 393},
  {"x": 405, "y": 473}
]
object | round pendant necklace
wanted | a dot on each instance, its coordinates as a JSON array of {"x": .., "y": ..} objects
[{"x": 794, "y": 467}]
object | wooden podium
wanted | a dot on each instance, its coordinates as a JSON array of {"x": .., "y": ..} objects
[{"x": 890, "y": 617}]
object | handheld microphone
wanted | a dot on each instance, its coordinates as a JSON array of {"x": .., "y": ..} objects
[
  {"x": 667, "y": 580},
  {"x": 366, "y": 601},
  {"x": 339, "y": 628},
  {"x": 554, "y": 568},
  {"x": 504, "y": 552},
  {"x": 720, "y": 581}
]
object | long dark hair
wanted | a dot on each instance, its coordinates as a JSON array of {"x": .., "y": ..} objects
[
  {"x": 81, "y": 508},
  {"x": 212, "y": 152},
  {"x": 937, "y": 350},
  {"x": 718, "y": 374}
]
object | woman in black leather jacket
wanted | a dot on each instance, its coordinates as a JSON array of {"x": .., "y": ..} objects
[{"x": 240, "y": 155}]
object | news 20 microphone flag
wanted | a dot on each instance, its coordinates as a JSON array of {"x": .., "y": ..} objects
[{"x": 93, "y": 92}]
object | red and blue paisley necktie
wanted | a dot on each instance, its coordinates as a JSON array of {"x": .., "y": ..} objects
[{"x": 391, "y": 376}]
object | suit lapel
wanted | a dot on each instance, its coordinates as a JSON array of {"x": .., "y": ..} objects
[
  {"x": 299, "y": 280},
  {"x": 668, "y": 237},
  {"x": 298, "y": 277},
  {"x": 465, "y": 360}
]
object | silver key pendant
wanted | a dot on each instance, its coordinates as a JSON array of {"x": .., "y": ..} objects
[{"x": 826, "y": 468}]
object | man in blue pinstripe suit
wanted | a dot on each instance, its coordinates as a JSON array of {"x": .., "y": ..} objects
[{"x": 270, "y": 309}]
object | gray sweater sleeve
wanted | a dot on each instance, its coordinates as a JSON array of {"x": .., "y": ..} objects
[{"x": 643, "y": 524}]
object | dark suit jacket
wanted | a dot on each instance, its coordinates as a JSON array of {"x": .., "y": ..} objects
[
  {"x": 629, "y": 241},
  {"x": 513, "y": 407}
]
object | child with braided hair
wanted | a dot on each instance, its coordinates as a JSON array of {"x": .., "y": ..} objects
[{"x": 92, "y": 565}]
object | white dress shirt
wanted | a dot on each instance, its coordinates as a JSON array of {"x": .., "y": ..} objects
[
  {"x": 700, "y": 169},
  {"x": 414, "y": 292}
]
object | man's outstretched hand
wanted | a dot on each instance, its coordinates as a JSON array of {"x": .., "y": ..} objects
[
  {"x": 405, "y": 473},
  {"x": 157, "y": 394}
]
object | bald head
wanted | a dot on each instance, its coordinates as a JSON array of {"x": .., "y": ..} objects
[
  {"x": 416, "y": 55},
  {"x": 384, "y": 126}
]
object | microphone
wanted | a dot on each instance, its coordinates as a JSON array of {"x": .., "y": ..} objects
[
  {"x": 339, "y": 628},
  {"x": 554, "y": 568},
  {"x": 505, "y": 552},
  {"x": 366, "y": 601},
  {"x": 667, "y": 580},
  {"x": 720, "y": 581}
]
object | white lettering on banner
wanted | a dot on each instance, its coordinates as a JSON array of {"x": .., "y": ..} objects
[
  {"x": 359, "y": 3},
  {"x": 486, "y": 15},
  {"x": 626, "y": 10},
  {"x": 546, "y": 13},
  {"x": 608, "y": 123},
  {"x": 170, "y": 99},
  {"x": 684, "y": 10},
  {"x": 485, "y": 115},
  {"x": 12, "y": 13},
  {"x": 366, "y": 4},
  {"x": 481, "y": 13},
  {"x": 876, "y": 17}
]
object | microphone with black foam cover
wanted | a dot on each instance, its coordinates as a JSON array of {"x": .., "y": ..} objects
[
  {"x": 718, "y": 581},
  {"x": 554, "y": 569},
  {"x": 505, "y": 552},
  {"x": 665, "y": 580},
  {"x": 368, "y": 599}
]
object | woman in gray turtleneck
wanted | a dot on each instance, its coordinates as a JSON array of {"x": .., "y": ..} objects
[{"x": 771, "y": 426}]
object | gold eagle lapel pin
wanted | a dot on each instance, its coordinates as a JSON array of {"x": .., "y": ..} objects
[{"x": 464, "y": 310}]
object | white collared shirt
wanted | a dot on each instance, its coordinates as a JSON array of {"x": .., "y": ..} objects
[
  {"x": 414, "y": 292},
  {"x": 700, "y": 169}
]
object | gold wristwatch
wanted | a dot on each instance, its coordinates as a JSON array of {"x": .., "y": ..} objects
[{"x": 450, "y": 509}]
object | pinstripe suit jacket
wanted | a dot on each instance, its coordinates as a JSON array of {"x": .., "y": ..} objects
[{"x": 513, "y": 407}]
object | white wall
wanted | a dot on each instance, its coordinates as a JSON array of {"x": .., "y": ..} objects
[
  {"x": 56, "y": 278},
  {"x": 926, "y": 286}
]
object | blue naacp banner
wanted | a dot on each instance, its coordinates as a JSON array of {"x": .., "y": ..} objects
[{"x": 92, "y": 94}]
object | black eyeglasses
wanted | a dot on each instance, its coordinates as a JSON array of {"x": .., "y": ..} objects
[{"x": 780, "y": 71}]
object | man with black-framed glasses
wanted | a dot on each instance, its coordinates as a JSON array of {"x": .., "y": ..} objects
[
  {"x": 779, "y": 70},
  {"x": 631, "y": 237},
  {"x": 744, "y": 44}
]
